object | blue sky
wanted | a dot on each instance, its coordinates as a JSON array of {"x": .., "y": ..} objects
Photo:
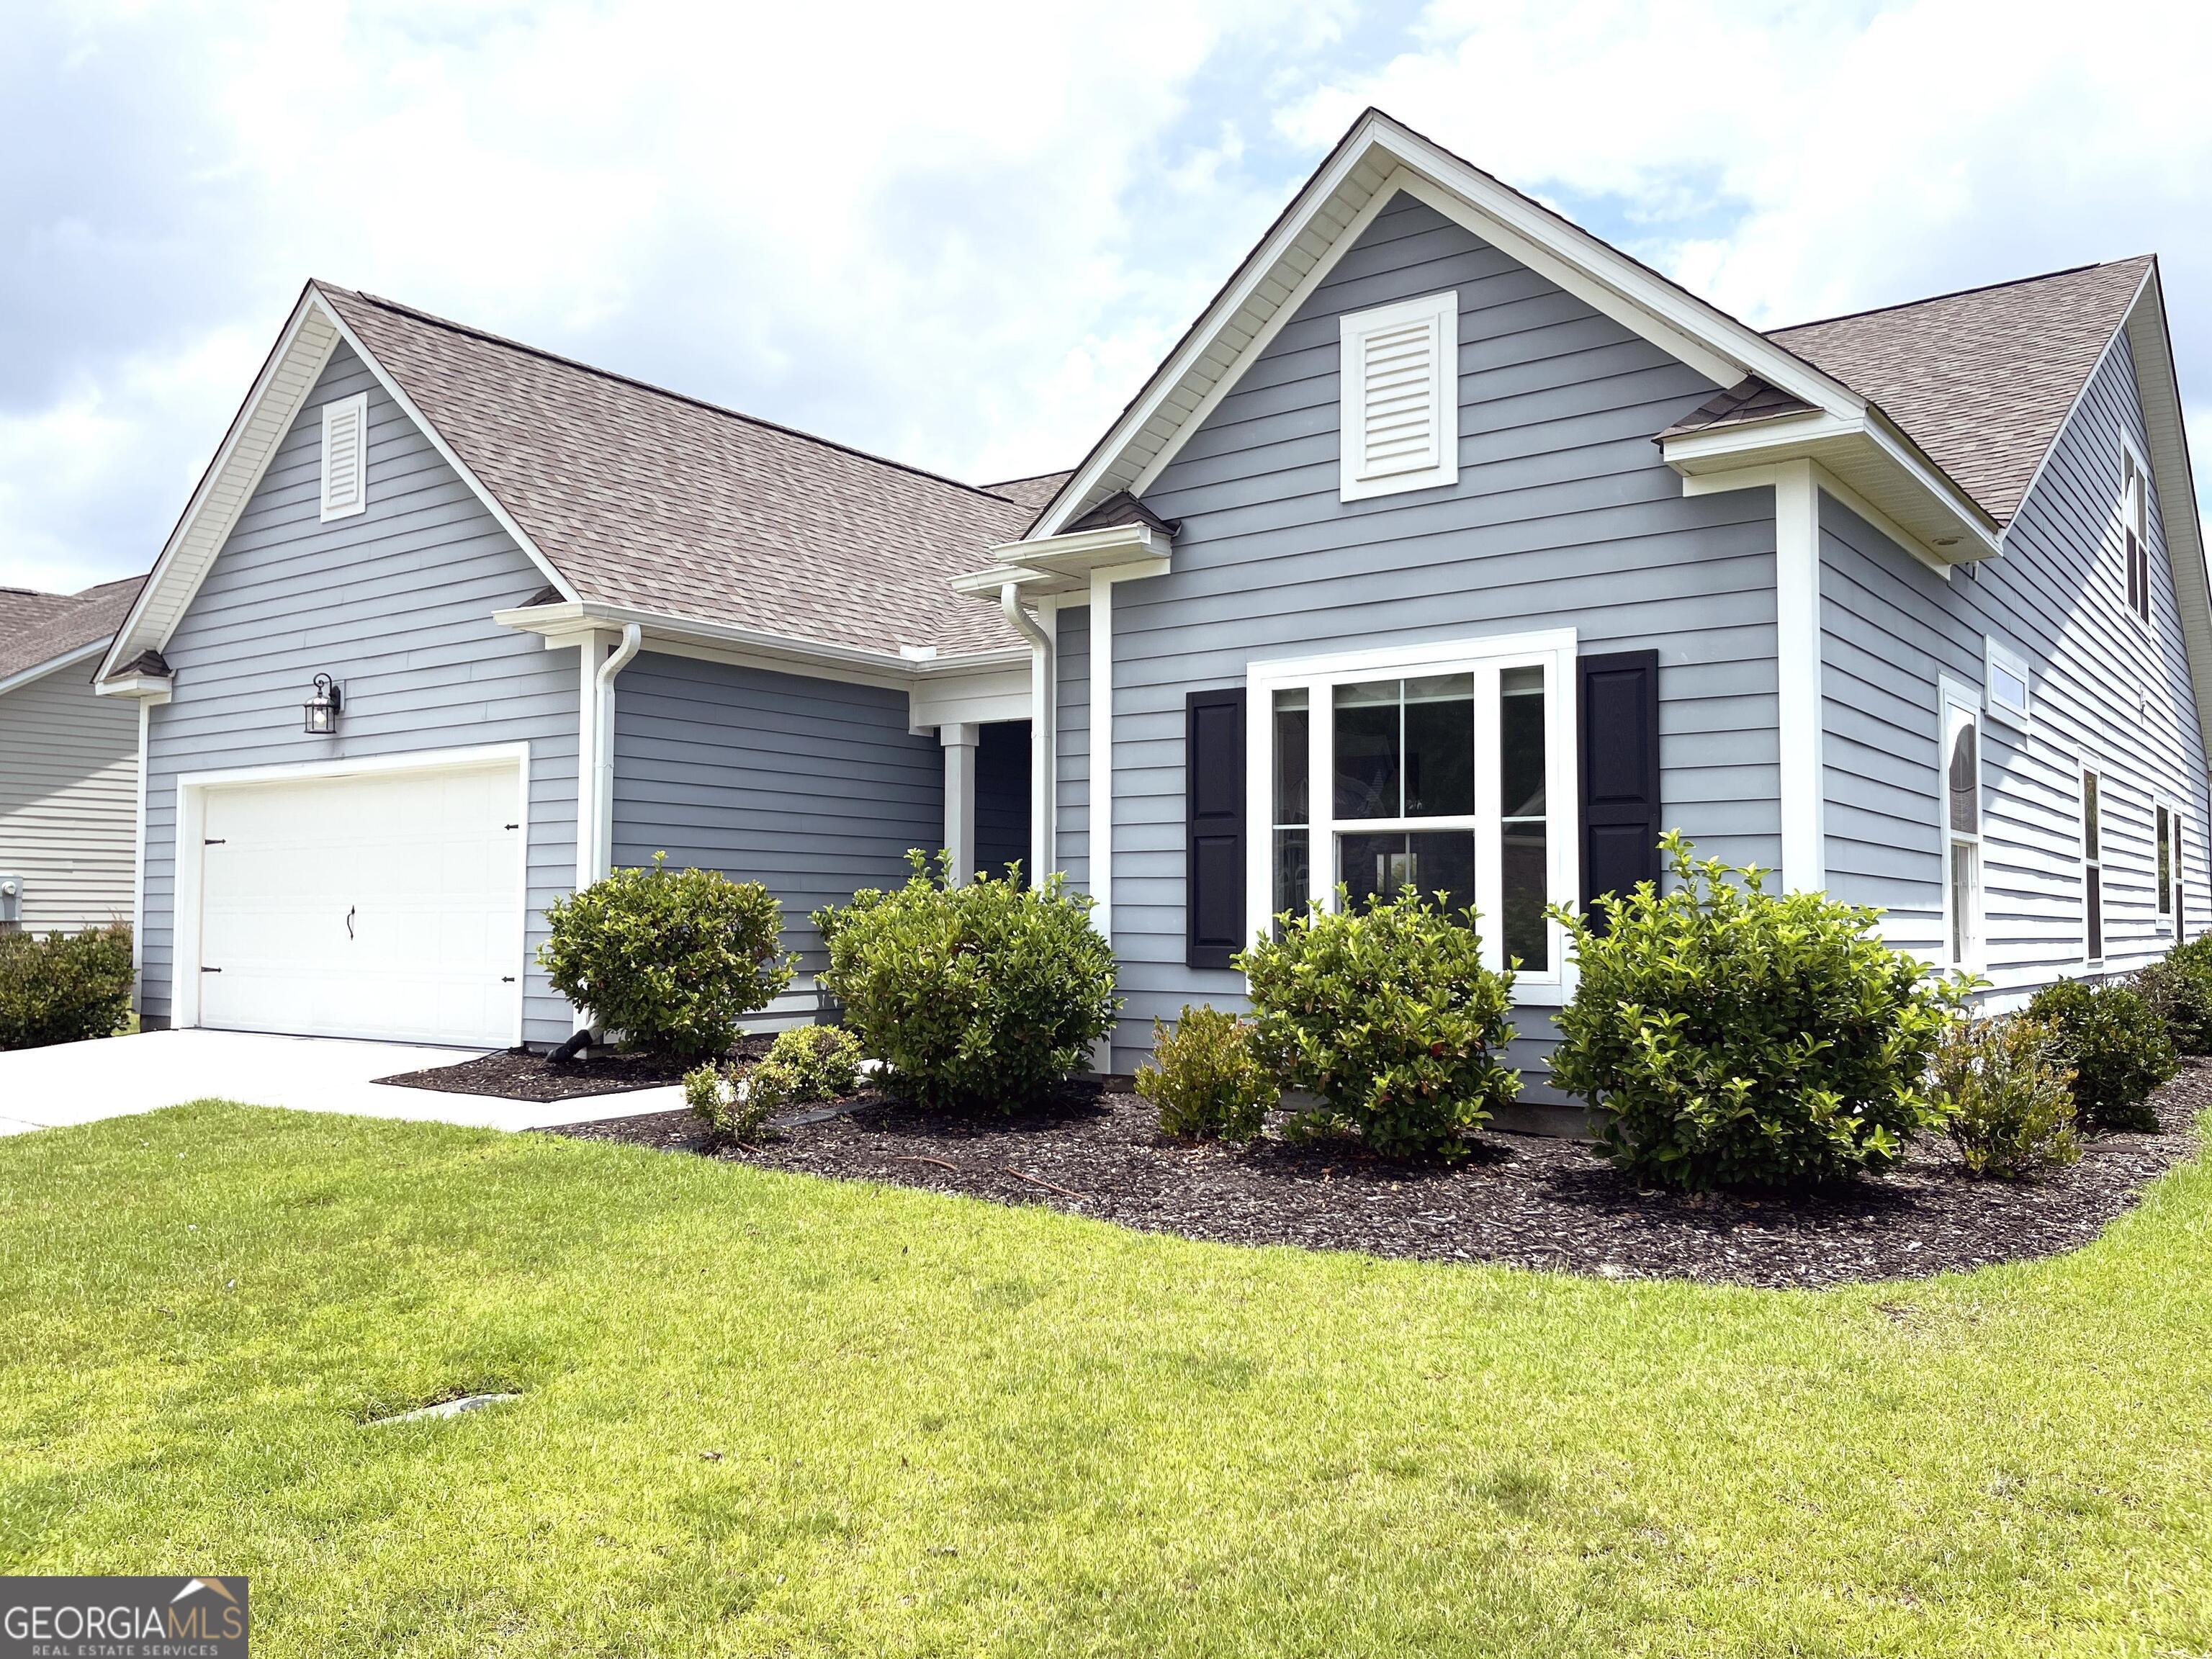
[{"x": 961, "y": 236}]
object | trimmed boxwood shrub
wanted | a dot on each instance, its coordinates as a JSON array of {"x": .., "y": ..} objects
[
  {"x": 673, "y": 960},
  {"x": 1389, "y": 1015},
  {"x": 1205, "y": 1078},
  {"x": 63, "y": 987},
  {"x": 2007, "y": 1099},
  {"x": 809, "y": 1062},
  {"x": 1728, "y": 1037},
  {"x": 975, "y": 997},
  {"x": 2117, "y": 1045}
]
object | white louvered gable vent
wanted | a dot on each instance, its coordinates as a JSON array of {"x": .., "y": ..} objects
[
  {"x": 1401, "y": 416},
  {"x": 345, "y": 457}
]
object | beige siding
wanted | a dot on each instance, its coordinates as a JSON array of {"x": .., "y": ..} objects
[{"x": 69, "y": 800}]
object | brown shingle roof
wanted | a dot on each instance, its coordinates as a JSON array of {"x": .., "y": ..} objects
[
  {"x": 1748, "y": 400},
  {"x": 1035, "y": 494},
  {"x": 647, "y": 498},
  {"x": 1982, "y": 380},
  {"x": 35, "y": 628}
]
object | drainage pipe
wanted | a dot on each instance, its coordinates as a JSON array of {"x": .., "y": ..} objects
[{"x": 1043, "y": 715}]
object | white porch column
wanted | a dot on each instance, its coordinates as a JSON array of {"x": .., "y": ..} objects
[
  {"x": 1798, "y": 664},
  {"x": 959, "y": 742}
]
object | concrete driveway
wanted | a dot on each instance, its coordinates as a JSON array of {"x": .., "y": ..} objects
[{"x": 79, "y": 1082}]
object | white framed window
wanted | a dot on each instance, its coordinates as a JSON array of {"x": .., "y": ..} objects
[
  {"x": 2166, "y": 826},
  {"x": 1960, "y": 795},
  {"x": 345, "y": 457},
  {"x": 2007, "y": 682},
  {"x": 2135, "y": 527},
  {"x": 1399, "y": 392},
  {"x": 1451, "y": 767},
  {"x": 2093, "y": 866}
]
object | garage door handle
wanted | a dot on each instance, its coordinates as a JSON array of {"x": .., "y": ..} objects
[
  {"x": 350, "y": 908},
  {"x": 210, "y": 970}
]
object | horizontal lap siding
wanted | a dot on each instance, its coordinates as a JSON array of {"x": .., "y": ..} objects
[
  {"x": 1072, "y": 768},
  {"x": 813, "y": 788},
  {"x": 2103, "y": 690},
  {"x": 69, "y": 800},
  {"x": 1564, "y": 516},
  {"x": 396, "y": 604}
]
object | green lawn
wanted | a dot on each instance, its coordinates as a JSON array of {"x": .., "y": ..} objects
[{"x": 947, "y": 1427}]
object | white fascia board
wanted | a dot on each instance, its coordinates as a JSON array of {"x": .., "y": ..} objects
[
  {"x": 154, "y": 688},
  {"x": 491, "y": 502},
  {"x": 989, "y": 584},
  {"x": 303, "y": 347},
  {"x": 53, "y": 664},
  {"x": 1084, "y": 549}
]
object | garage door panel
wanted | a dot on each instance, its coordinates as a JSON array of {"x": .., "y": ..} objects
[{"x": 384, "y": 905}]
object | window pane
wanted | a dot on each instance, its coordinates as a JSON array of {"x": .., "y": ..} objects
[
  {"x": 1431, "y": 861},
  {"x": 2093, "y": 893},
  {"x": 2092, "y": 831},
  {"x": 1521, "y": 741},
  {"x": 1521, "y": 928},
  {"x": 1965, "y": 881},
  {"x": 1440, "y": 746},
  {"x": 1291, "y": 754},
  {"x": 2165, "y": 865},
  {"x": 1966, "y": 777},
  {"x": 1366, "y": 750},
  {"x": 1293, "y": 889}
]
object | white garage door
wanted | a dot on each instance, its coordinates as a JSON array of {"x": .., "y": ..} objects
[{"x": 382, "y": 905}]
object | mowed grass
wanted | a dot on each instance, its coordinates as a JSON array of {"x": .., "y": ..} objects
[{"x": 948, "y": 1427}]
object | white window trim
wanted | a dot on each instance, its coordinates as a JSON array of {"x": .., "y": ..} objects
[
  {"x": 1553, "y": 650},
  {"x": 2085, "y": 769},
  {"x": 358, "y": 406},
  {"x": 1995, "y": 655},
  {"x": 1442, "y": 310},
  {"x": 2128, "y": 449},
  {"x": 2166, "y": 919},
  {"x": 1953, "y": 695}
]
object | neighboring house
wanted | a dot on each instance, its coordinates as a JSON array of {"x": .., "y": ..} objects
[
  {"x": 1451, "y": 545},
  {"x": 69, "y": 763}
]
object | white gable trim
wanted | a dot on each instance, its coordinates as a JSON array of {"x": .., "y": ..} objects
[
  {"x": 1377, "y": 159},
  {"x": 303, "y": 351}
]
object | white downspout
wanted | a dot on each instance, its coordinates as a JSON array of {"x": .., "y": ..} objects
[
  {"x": 1043, "y": 750},
  {"x": 603, "y": 784}
]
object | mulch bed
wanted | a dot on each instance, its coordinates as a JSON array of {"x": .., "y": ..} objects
[
  {"x": 520, "y": 1074},
  {"x": 1521, "y": 1201}
]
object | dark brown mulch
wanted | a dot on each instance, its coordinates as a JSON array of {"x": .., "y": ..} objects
[
  {"x": 523, "y": 1074},
  {"x": 1521, "y": 1201}
]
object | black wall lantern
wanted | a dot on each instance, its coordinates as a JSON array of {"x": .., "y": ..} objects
[{"x": 323, "y": 707}]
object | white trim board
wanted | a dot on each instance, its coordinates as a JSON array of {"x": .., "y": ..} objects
[{"x": 188, "y": 847}]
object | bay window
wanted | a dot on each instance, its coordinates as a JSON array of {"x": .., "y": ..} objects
[{"x": 1442, "y": 768}]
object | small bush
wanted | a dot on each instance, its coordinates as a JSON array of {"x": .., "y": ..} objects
[
  {"x": 732, "y": 1107},
  {"x": 63, "y": 987},
  {"x": 1205, "y": 1078},
  {"x": 1733, "y": 1037},
  {"x": 2008, "y": 1102},
  {"x": 823, "y": 1060},
  {"x": 671, "y": 960},
  {"x": 2117, "y": 1045},
  {"x": 981, "y": 996},
  {"x": 2179, "y": 989},
  {"x": 1389, "y": 1015}
]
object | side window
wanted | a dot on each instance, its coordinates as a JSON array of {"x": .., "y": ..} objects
[
  {"x": 2135, "y": 529},
  {"x": 2168, "y": 827},
  {"x": 2092, "y": 867},
  {"x": 1962, "y": 830}
]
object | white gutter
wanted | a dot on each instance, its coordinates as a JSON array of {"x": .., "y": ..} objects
[
  {"x": 1043, "y": 750},
  {"x": 602, "y": 790}
]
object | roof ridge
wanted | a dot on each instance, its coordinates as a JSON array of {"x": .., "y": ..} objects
[
  {"x": 723, "y": 410},
  {"x": 1956, "y": 294}
]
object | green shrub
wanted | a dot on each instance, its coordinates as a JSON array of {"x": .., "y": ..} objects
[
  {"x": 1729, "y": 1036},
  {"x": 63, "y": 987},
  {"x": 732, "y": 1107},
  {"x": 2007, "y": 1099},
  {"x": 2179, "y": 989},
  {"x": 822, "y": 1061},
  {"x": 2117, "y": 1045},
  {"x": 981, "y": 996},
  {"x": 673, "y": 960},
  {"x": 1389, "y": 1015},
  {"x": 1205, "y": 1080}
]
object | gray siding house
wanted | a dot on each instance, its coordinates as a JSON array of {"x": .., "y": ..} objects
[
  {"x": 1449, "y": 546},
  {"x": 69, "y": 764}
]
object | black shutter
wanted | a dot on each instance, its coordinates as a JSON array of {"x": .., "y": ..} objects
[
  {"x": 1213, "y": 820},
  {"x": 1620, "y": 754}
]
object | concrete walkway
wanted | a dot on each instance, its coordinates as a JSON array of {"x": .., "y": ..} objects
[{"x": 80, "y": 1082}]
